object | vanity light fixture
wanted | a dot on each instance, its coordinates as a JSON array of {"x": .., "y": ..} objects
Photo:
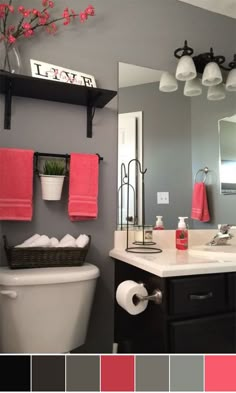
[
  {"x": 193, "y": 88},
  {"x": 231, "y": 80},
  {"x": 168, "y": 83},
  {"x": 216, "y": 93},
  {"x": 208, "y": 66},
  {"x": 186, "y": 69}
]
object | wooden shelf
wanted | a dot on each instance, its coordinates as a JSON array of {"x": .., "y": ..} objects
[{"x": 42, "y": 89}]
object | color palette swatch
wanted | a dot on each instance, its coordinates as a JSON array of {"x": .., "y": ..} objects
[{"x": 117, "y": 373}]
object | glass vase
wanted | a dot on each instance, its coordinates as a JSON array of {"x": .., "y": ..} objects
[{"x": 9, "y": 58}]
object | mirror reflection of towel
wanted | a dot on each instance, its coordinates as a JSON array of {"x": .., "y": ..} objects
[{"x": 200, "y": 210}]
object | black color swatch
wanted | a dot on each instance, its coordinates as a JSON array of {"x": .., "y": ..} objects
[{"x": 14, "y": 373}]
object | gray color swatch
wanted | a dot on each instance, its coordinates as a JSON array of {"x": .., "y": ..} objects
[
  {"x": 186, "y": 373},
  {"x": 83, "y": 373},
  {"x": 152, "y": 373},
  {"x": 48, "y": 373}
]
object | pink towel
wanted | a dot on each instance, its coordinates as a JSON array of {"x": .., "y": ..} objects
[
  {"x": 83, "y": 187},
  {"x": 16, "y": 184},
  {"x": 199, "y": 203}
]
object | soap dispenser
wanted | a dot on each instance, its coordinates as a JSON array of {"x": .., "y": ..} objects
[
  {"x": 181, "y": 237},
  {"x": 159, "y": 223}
]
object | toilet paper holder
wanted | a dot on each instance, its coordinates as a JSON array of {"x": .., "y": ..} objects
[{"x": 155, "y": 297}]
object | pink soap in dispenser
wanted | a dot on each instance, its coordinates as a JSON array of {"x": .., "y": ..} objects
[
  {"x": 181, "y": 236},
  {"x": 159, "y": 223}
]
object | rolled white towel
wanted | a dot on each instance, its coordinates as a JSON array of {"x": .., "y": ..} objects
[
  {"x": 43, "y": 241},
  {"x": 27, "y": 242},
  {"x": 67, "y": 238},
  {"x": 54, "y": 242},
  {"x": 69, "y": 243},
  {"x": 82, "y": 241}
]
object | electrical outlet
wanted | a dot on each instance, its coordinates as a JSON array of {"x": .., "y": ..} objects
[{"x": 163, "y": 198}]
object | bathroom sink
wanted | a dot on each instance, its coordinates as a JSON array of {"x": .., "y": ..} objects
[{"x": 227, "y": 252}]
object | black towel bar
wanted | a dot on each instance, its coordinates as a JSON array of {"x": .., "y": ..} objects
[{"x": 56, "y": 155}]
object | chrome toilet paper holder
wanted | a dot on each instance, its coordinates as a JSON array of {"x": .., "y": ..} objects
[{"x": 155, "y": 297}]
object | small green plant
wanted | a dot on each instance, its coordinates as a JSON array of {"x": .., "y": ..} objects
[{"x": 54, "y": 168}]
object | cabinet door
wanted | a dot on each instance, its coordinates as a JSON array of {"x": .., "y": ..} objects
[
  {"x": 232, "y": 290},
  {"x": 204, "y": 335},
  {"x": 197, "y": 295}
]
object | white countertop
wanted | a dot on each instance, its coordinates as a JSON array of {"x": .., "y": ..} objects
[{"x": 172, "y": 263}]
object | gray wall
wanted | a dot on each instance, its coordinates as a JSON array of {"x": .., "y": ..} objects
[
  {"x": 166, "y": 134},
  {"x": 133, "y": 31}
]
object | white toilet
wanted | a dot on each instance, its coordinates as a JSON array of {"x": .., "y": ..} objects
[{"x": 45, "y": 310}]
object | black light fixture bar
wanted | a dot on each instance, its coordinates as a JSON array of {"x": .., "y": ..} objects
[{"x": 202, "y": 59}]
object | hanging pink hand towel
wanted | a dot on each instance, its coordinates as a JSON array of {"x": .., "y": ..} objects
[
  {"x": 16, "y": 184},
  {"x": 83, "y": 187},
  {"x": 200, "y": 210}
]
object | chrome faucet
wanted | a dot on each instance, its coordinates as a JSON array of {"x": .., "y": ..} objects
[{"x": 222, "y": 237}]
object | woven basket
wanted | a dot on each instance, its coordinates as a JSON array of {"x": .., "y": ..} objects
[{"x": 35, "y": 257}]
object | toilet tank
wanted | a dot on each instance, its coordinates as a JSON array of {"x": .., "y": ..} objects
[{"x": 45, "y": 310}]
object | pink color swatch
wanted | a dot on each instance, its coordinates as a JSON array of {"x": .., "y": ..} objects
[
  {"x": 117, "y": 373},
  {"x": 220, "y": 373}
]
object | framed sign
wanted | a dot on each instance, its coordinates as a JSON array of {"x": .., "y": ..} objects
[{"x": 56, "y": 73}]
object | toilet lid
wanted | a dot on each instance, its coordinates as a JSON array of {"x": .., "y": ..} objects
[{"x": 51, "y": 275}]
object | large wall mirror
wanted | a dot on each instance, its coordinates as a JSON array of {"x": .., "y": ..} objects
[
  {"x": 227, "y": 135},
  {"x": 173, "y": 136}
]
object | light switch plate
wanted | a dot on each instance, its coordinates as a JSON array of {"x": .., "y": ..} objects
[{"x": 163, "y": 198}]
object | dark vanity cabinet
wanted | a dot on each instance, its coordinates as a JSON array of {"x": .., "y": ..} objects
[{"x": 197, "y": 314}]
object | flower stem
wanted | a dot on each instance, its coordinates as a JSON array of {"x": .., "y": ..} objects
[{"x": 5, "y": 19}]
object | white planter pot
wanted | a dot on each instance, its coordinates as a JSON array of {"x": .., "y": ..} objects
[{"x": 51, "y": 187}]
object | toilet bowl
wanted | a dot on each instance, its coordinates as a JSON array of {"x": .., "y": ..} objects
[{"x": 45, "y": 310}]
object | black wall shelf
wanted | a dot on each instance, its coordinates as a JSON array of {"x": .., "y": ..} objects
[{"x": 42, "y": 89}]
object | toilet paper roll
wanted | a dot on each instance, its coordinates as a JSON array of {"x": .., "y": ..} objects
[{"x": 125, "y": 296}]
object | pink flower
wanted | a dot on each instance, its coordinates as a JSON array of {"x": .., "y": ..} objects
[
  {"x": 46, "y": 15},
  {"x": 21, "y": 9},
  {"x": 83, "y": 16},
  {"x": 11, "y": 8},
  {"x": 26, "y": 26},
  {"x": 45, "y": 3},
  {"x": 11, "y": 39},
  {"x": 66, "y": 22},
  {"x": 26, "y": 13},
  {"x": 28, "y": 33},
  {"x": 90, "y": 10},
  {"x": 10, "y": 29},
  {"x": 73, "y": 13},
  {"x": 66, "y": 13},
  {"x": 2, "y": 13},
  {"x": 35, "y": 12},
  {"x": 42, "y": 20},
  {"x": 52, "y": 28},
  {"x": 51, "y": 4}
]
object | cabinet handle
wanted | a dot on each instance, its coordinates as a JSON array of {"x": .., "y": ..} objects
[{"x": 201, "y": 297}]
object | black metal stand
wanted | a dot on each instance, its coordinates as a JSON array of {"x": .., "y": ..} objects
[
  {"x": 124, "y": 183},
  {"x": 143, "y": 247}
]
